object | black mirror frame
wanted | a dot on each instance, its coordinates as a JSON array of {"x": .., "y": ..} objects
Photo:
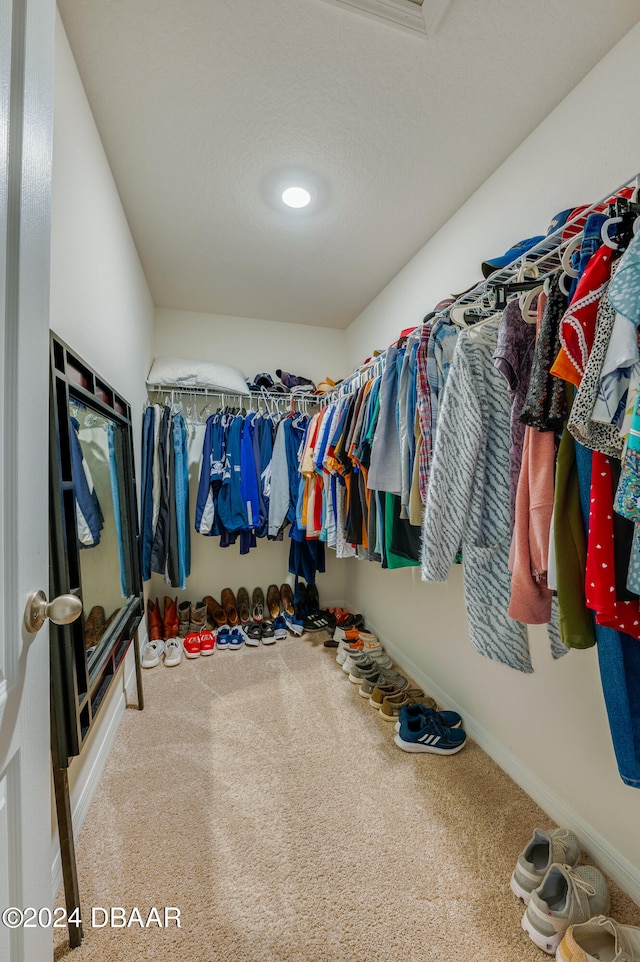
[{"x": 77, "y": 692}]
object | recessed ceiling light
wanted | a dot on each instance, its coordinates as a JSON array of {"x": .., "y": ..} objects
[{"x": 296, "y": 197}]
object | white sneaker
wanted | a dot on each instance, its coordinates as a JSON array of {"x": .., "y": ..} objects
[
  {"x": 152, "y": 654},
  {"x": 600, "y": 938},
  {"x": 173, "y": 652}
]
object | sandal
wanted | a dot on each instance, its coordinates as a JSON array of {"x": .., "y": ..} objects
[
  {"x": 286, "y": 599},
  {"x": 268, "y": 634},
  {"x": 253, "y": 634}
]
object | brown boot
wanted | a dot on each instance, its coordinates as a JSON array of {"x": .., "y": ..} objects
[
  {"x": 94, "y": 626},
  {"x": 198, "y": 618},
  {"x": 154, "y": 620},
  {"x": 184, "y": 616},
  {"x": 170, "y": 617}
]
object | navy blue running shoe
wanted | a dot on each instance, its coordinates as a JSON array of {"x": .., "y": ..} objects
[{"x": 425, "y": 733}]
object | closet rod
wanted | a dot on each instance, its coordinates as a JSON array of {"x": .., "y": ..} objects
[
  {"x": 546, "y": 256},
  {"x": 287, "y": 396}
]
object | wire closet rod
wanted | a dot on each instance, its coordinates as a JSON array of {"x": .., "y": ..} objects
[
  {"x": 219, "y": 392},
  {"x": 546, "y": 256}
]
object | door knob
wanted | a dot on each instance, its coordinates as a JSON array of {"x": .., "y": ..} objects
[{"x": 62, "y": 610}]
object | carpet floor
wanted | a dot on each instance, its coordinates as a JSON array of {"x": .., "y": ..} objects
[{"x": 260, "y": 795}]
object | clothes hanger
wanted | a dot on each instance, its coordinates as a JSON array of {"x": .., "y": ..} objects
[
  {"x": 492, "y": 319},
  {"x": 462, "y": 314}
]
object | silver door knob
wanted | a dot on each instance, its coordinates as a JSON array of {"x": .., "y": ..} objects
[{"x": 62, "y": 610}]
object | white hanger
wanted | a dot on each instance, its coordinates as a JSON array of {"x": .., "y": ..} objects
[
  {"x": 568, "y": 253},
  {"x": 458, "y": 311},
  {"x": 473, "y": 328}
]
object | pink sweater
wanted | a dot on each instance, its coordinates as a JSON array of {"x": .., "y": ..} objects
[{"x": 530, "y": 596}]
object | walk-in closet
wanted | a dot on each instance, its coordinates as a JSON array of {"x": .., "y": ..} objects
[{"x": 320, "y": 474}]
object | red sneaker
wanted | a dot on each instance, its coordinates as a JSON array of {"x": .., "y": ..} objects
[
  {"x": 192, "y": 645},
  {"x": 207, "y": 642}
]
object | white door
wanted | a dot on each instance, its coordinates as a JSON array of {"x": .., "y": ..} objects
[{"x": 26, "y": 115}]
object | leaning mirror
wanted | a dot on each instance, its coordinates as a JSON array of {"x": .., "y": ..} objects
[
  {"x": 94, "y": 542},
  {"x": 103, "y": 535}
]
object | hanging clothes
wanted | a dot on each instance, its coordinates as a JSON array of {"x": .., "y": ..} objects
[
  {"x": 166, "y": 546},
  {"x": 468, "y": 500},
  {"x": 89, "y": 517}
]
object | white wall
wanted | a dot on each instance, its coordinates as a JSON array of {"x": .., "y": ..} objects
[
  {"x": 101, "y": 306},
  {"x": 548, "y": 729},
  {"x": 253, "y": 346}
]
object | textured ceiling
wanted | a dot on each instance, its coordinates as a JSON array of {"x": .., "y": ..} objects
[{"x": 203, "y": 106}]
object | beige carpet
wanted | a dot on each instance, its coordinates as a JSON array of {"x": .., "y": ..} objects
[{"x": 264, "y": 798}]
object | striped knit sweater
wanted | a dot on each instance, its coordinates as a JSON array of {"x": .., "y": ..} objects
[{"x": 468, "y": 499}]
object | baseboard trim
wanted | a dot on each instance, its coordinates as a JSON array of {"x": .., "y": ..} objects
[
  {"x": 608, "y": 858},
  {"x": 101, "y": 751}
]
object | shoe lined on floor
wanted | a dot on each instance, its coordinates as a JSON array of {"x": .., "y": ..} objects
[
  {"x": 170, "y": 617},
  {"x": 393, "y": 704},
  {"x": 243, "y": 605},
  {"x": 544, "y": 848},
  {"x": 172, "y": 652},
  {"x": 207, "y": 642},
  {"x": 380, "y": 692},
  {"x": 600, "y": 938},
  {"x": 294, "y": 624},
  {"x": 268, "y": 634},
  {"x": 198, "y": 617},
  {"x": 217, "y": 614},
  {"x": 229, "y": 604},
  {"x": 224, "y": 634},
  {"x": 450, "y": 719},
  {"x": 313, "y": 599},
  {"x": 257, "y": 605},
  {"x": 236, "y": 639},
  {"x": 425, "y": 733},
  {"x": 286, "y": 599},
  {"x": 280, "y": 628},
  {"x": 385, "y": 676},
  {"x": 152, "y": 654},
  {"x": 154, "y": 621},
  {"x": 253, "y": 634},
  {"x": 192, "y": 645},
  {"x": 184, "y": 616},
  {"x": 566, "y": 897},
  {"x": 317, "y": 621},
  {"x": 273, "y": 602}
]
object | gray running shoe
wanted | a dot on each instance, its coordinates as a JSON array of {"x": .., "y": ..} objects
[
  {"x": 566, "y": 897},
  {"x": 545, "y": 848}
]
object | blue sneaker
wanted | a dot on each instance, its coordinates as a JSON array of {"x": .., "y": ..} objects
[
  {"x": 425, "y": 733},
  {"x": 294, "y": 624},
  {"x": 280, "y": 627},
  {"x": 451, "y": 719},
  {"x": 236, "y": 639},
  {"x": 224, "y": 635}
]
